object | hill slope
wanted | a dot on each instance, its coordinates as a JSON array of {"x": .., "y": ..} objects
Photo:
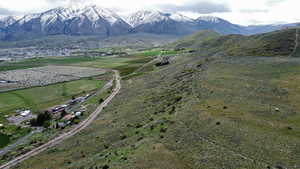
[
  {"x": 278, "y": 43},
  {"x": 196, "y": 112},
  {"x": 193, "y": 41}
]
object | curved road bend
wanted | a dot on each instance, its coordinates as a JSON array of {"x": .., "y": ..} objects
[{"x": 72, "y": 132}]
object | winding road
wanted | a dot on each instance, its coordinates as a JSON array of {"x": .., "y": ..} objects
[{"x": 72, "y": 132}]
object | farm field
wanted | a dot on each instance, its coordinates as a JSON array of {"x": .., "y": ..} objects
[
  {"x": 125, "y": 64},
  {"x": 40, "y": 98}
]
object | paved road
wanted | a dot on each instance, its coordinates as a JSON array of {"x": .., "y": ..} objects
[{"x": 71, "y": 133}]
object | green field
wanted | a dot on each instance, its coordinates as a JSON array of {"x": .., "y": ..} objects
[
  {"x": 125, "y": 65},
  {"x": 40, "y": 98},
  {"x": 158, "y": 52}
]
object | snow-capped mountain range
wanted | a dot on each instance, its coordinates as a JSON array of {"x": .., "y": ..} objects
[
  {"x": 94, "y": 20},
  {"x": 7, "y": 20}
]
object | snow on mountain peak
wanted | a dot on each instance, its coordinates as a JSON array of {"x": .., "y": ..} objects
[
  {"x": 8, "y": 20},
  {"x": 152, "y": 16},
  {"x": 91, "y": 12},
  {"x": 180, "y": 18},
  {"x": 145, "y": 16}
]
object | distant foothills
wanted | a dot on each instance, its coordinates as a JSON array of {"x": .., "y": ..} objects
[{"x": 93, "y": 20}]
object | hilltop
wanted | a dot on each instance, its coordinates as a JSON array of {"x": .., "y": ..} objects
[{"x": 278, "y": 43}]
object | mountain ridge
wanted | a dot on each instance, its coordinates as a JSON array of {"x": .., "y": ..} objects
[{"x": 104, "y": 22}]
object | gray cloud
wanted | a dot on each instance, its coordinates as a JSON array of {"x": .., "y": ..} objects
[
  {"x": 68, "y": 2},
  {"x": 274, "y": 2},
  {"x": 254, "y": 10},
  {"x": 203, "y": 7},
  {"x": 4, "y": 11}
]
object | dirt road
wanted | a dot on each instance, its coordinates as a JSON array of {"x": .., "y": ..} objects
[
  {"x": 296, "y": 43},
  {"x": 72, "y": 132}
]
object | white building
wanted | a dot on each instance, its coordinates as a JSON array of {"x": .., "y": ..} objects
[{"x": 25, "y": 113}]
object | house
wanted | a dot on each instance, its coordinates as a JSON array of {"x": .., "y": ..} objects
[
  {"x": 69, "y": 117},
  {"x": 56, "y": 115},
  {"x": 77, "y": 100},
  {"x": 58, "y": 109},
  {"x": 78, "y": 114},
  {"x": 64, "y": 106},
  {"x": 25, "y": 113}
]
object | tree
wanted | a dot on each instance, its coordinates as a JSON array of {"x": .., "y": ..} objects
[
  {"x": 101, "y": 100},
  {"x": 63, "y": 113},
  {"x": 41, "y": 119}
]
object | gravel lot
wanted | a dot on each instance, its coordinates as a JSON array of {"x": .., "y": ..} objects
[{"x": 44, "y": 76}]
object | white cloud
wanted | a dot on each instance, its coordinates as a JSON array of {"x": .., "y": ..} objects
[{"x": 236, "y": 11}]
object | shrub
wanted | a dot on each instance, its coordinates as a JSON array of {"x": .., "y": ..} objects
[
  {"x": 163, "y": 130},
  {"x": 138, "y": 126},
  {"x": 101, "y": 100},
  {"x": 105, "y": 167},
  {"x": 123, "y": 137}
]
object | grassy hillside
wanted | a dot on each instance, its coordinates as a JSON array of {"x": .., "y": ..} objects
[
  {"x": 278, "y": 43},
  {"x": 195, "y": 113},
  {"x": 193, "y": 41}
]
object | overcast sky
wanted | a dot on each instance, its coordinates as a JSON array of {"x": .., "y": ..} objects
[{"x": 243, "y": 12}]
